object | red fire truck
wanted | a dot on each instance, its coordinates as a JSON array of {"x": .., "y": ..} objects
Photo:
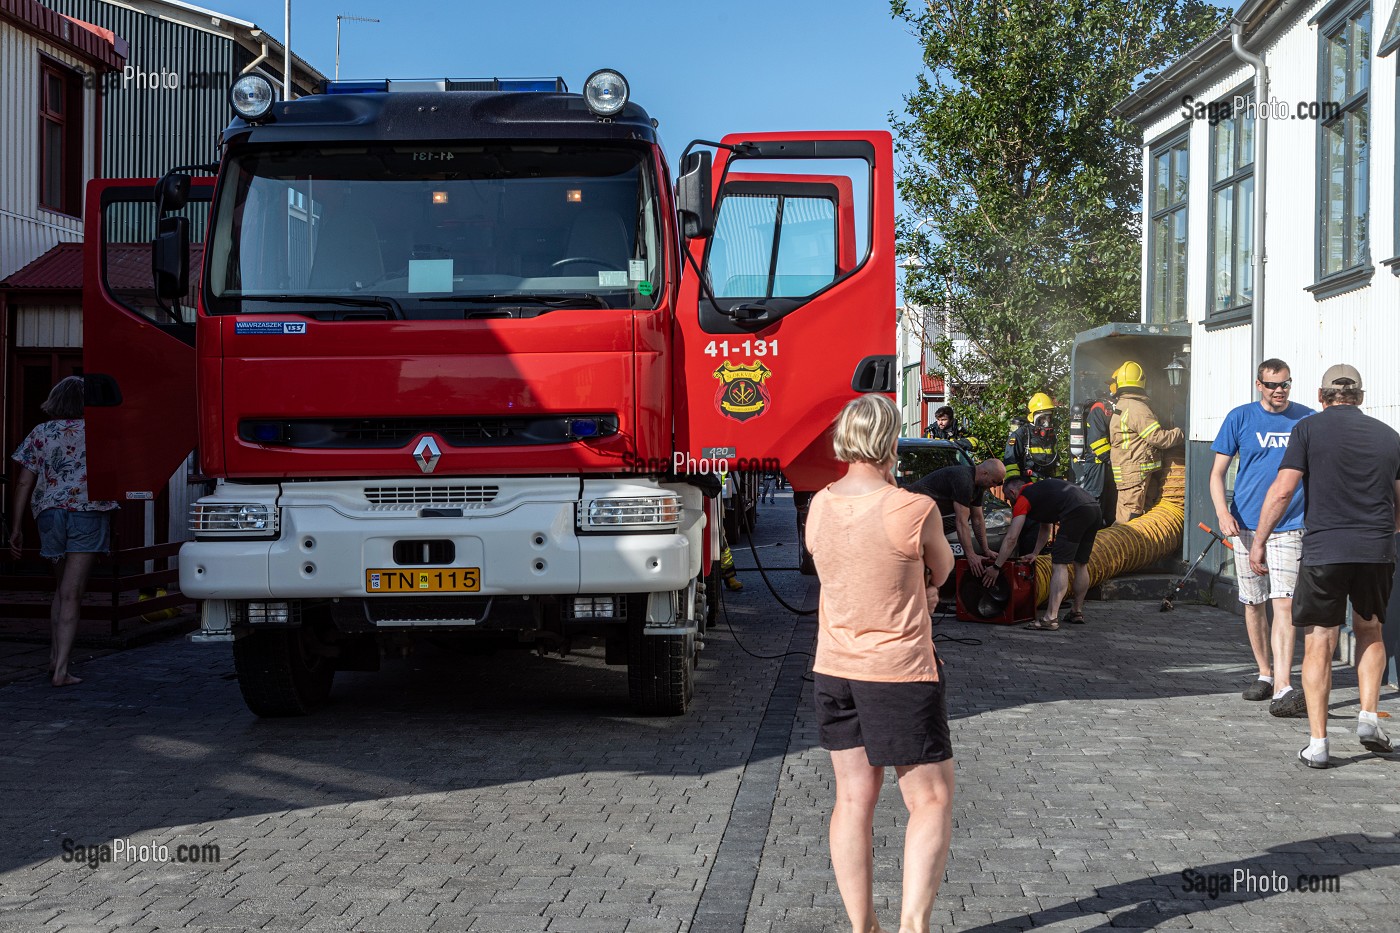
[{"x": 460, "y": 361}]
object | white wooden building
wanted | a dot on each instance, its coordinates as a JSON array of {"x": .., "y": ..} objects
[
  {"x": 50, "y": 125},
  {"x": 1321, "y": 155}
]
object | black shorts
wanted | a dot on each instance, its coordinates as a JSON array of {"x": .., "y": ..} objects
[
  {"x": 897, "y": 723},
  {"x": 1320, "y": 598},
  {"x": 1075, "y": 539}
]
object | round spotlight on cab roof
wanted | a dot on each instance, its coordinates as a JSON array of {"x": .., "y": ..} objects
[
  {"x": 252, "y": 97},
  {"x": 605, "y": 92}
]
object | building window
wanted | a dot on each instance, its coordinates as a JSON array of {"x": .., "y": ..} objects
[
  {"x": 1231, "y": 215},
  {"x": 60, "y": 139},
  {"x": 1166, "y": 286},
  {"x": 1344, "y": 144}
]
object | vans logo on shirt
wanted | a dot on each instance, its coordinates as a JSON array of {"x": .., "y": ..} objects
[{"x": 1272, "y": 438}]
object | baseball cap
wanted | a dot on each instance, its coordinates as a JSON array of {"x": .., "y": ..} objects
[{"x": 1341, "y": 376}]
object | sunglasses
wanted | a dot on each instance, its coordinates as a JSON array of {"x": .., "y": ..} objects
[{"x": 1285, "y": 384}]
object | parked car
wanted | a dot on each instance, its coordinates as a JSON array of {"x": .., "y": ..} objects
[{"x": 920, "y": 456}]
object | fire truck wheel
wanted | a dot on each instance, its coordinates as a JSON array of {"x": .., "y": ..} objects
[
  {"x": 280, "y": 673},
  {"x": 660, "y": 672}
]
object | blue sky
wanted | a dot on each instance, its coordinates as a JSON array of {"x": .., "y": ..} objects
[{"x": 702, "y": 70}]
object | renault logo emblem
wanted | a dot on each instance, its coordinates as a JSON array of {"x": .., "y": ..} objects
[{"x": 426, "y": 454}]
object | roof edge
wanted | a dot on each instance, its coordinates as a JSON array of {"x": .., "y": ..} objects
[
  {"x": 1209, "y": 59},
  {"x": 73, "y": 36}
]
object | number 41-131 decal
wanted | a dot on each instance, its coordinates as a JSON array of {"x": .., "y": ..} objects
[{"x": 746, "y": 348}]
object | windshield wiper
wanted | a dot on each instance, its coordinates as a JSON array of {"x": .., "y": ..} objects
[
  {"x": 351, "y": 301},
  {"x": 554, "y": 299}
]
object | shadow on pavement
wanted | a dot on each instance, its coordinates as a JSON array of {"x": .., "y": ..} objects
[{"x": 1311, "y": 871}]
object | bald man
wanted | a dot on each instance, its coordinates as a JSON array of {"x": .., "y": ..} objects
[{"x": 959, "y": 491}]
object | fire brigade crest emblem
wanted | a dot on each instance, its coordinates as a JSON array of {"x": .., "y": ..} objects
[{"x": 741, "y": 394}]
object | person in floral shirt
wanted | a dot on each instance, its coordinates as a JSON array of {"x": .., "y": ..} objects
[{"x": 73, "y": 530}]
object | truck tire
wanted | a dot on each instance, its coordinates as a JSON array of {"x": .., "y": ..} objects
[
  {"x": 279, "y": 674},
  {"x": 660, "y": 672}
]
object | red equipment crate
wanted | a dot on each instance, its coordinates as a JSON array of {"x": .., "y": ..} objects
[{"x": 977, "y": 603}]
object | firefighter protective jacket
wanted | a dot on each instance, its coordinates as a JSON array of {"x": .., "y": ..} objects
[
  {"x": 1093, "y": 461},
  {"x": 1138, "y": 439},
  {"x": 1096, "y": 431},
  {"x": 1031, "y": 453}
]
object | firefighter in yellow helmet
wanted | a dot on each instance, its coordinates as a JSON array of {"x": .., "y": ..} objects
[
  {"x": 1139, "y": 441},
  {"x": 1030, "y": 447},
  {"x": 1031, "y": 453}
]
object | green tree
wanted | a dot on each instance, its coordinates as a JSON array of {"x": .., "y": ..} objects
[{"x": 1025, "y": 188}]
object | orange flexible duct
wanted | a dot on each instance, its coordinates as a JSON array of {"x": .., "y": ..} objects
[{"x": 1140, "y": 543}]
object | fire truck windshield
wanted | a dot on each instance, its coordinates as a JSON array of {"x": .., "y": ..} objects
[{"x": 406, "y": 230}]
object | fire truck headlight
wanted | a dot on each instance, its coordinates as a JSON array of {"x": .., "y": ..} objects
[
  {"x": 605, "y": 92},
  {"x": 631, "y": 512},
  {"x": 233, "y": 519},
  {"x": 252, "y": 97}
]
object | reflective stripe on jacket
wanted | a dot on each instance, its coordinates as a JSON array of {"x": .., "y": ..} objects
[
  {"x": 1138, "y": 439},
  {"x": 1030, "y": 453},
  {"x": 1096, "y": 433}
]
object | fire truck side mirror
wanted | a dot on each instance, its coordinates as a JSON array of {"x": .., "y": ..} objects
[
  {"x": 694, "y": 201},
  {"x": 172, "y": 192},
  {"x": 170, "y": 257}
]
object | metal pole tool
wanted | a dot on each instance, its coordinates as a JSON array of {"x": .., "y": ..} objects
[{"x": 1169, "y": 603}]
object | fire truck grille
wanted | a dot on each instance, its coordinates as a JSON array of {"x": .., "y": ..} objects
[
  {"x": 396, "y": 432},
  {"x": 371, "y": 433},
  {"x": 430, "y": 495}
]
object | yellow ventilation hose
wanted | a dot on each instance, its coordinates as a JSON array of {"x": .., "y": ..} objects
[{"x": 1140, "y": 543}]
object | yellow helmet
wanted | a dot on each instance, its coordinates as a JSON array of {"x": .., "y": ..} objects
[
  {"x": 1129, "y": 376},
  {"x": 1039, "y": 402}
]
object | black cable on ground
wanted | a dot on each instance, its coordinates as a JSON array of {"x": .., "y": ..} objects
[
  {"x": 970, "y": 642},
  {"x": 940, "y": 636},
  {"x": 724, "y": 610},
  {"x": 748, "y": 533}
]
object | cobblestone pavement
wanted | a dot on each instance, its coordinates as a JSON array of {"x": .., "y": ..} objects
[{"x": 513, "y": 793}]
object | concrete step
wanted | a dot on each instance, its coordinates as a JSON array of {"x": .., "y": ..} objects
[{"x": 1145, "y": 586}]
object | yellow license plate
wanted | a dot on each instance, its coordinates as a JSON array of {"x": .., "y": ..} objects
[{"x": 435, "y": 580}]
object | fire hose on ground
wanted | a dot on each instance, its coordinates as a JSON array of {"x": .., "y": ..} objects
[{"x": 1142, "y": 542}]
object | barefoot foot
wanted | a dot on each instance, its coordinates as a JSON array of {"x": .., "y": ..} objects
[{"x": 67, "y": 680}]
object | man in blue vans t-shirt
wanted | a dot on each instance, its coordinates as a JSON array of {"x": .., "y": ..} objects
[{"x": 1258, "y": 433}]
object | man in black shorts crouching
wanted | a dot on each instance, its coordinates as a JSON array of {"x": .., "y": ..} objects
[
  {"x": 1052, "y": 501},
  {"x": 1349, "y": 465}
]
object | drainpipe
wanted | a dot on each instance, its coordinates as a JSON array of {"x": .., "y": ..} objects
[
  {"x": 257, "y": 61},
  {"x": 1261, "y": 138}
]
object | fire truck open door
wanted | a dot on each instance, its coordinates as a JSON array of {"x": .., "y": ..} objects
[
  {"x": 796, "y": 313},
  {"x": 138, "y": 352}
]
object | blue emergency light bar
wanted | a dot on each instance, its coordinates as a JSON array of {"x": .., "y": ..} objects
[{"x": 429, "y": 85}]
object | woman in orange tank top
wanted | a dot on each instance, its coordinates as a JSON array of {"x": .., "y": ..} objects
[{"x": 877, "y": 681}]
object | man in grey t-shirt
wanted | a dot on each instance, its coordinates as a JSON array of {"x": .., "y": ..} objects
[{"x": 1349, "y": 465}]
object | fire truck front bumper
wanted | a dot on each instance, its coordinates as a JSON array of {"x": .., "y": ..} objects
[{"x": 328, "y": 544}]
